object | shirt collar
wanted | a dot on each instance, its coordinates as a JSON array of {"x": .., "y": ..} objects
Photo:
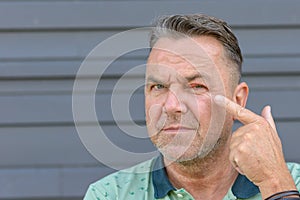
[
  {"x": 242, "y": 188},
  {"x": 160, "y": 181}
]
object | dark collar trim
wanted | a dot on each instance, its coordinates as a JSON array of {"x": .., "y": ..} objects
[
  {"x": 160, "y": 180},
  {"x": 242, "y": 188}
]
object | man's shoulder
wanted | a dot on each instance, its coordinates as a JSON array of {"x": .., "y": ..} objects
[
  {"x": 130, "y": 181},
  {"x": 141, "y": 169}
]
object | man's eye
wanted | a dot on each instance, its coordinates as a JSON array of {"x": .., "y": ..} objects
[
  {"x": 198, "y": 87},
  {"x": 158, "y": 87}
]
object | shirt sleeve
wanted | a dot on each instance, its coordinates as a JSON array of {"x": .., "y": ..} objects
[
  {"x": 94, "y": 194},
  {"x": 295, "y": 172}
]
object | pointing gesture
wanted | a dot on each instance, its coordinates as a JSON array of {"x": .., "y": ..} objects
[
  {"x": 256, "y": 149},
  {"x": 244, "y": 115}
]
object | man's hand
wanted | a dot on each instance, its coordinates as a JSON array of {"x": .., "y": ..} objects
[{"x": 256, "y": 149}]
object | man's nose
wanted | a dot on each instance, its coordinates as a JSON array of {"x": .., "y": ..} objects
[{"x": 174, "y": 103}]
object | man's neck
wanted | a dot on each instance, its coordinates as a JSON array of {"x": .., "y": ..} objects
[{"x": 205, "y": 178}]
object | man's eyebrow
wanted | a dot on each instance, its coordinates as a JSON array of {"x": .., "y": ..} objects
[
  {"x": 187, "y": 78},
  {"x": 194, "y": 76},
  {"x": 153, "y": 79}
]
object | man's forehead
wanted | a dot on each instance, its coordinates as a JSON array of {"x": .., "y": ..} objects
[
  {"x": 185, "y": 56},
  {"x": 183, "y": 70},
  {"x": 204, "y": 46},
  {"x": 187, "y": 64},
  {"x": 163, "y": 73},
  {"x": 162, "y": 59},
  {"x": 179, "y": 53}
]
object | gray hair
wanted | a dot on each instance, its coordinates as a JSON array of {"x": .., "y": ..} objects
[{"x": 200, "y": 25}]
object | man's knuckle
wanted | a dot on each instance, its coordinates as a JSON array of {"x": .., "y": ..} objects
[
  {"x": 242, "y": 149},
  {"x": 255, "y": 127},
  {"x": 247, "y": 137},
  {"x": 264, "y": 123}
]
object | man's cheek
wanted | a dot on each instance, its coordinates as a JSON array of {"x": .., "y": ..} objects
[
  {"x": 202, "y": 108},
  {"x": 153, "y": 113}
]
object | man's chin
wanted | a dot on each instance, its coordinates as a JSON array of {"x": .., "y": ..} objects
[
  {"x": 180, "y": 155},
  {"x": 185, "y": 155}
]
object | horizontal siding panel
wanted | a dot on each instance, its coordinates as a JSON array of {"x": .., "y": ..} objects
[
  {"x": 75, "y": 181},
  {"x": 273, "y": 82},
  {"x": 58, "y": 108},
  {"x": 76, "y": 45},
  {"x": 42, "y": 146},
  {"x": 272, "y": 65},
  {"x": 93, "y": 14},
  {"x": 289, "y": 135},
  {"x": 66, "y": 69},
  {"x": 287, "y": 110},
  {"x": 38, "y": 68},
  {"x": 42, "y": 45},
  {"x": 51, "y": 146},
  {"x": 16, "y": 183},
  {"x": 48, "y": 182},
  {"x": 260, "y": 42},
  {"x": 25, "y": 87}
]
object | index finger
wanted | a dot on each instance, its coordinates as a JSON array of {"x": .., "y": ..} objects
[{"x": 239, "y": 113}]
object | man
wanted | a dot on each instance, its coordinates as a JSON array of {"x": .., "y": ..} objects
[{"x": 193, "y": 94}]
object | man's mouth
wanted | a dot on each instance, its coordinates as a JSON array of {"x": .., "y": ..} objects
[{"x": 177, "y": 128}]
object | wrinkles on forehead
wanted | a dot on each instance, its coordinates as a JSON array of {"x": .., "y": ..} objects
[
  {"x": 164, "y": 57},
  {"x": 203, "y": 46},
  {"x": 185, "y": 66},
  {"x": 200, "y": 52},
  {"x": 168, "y": 75}
]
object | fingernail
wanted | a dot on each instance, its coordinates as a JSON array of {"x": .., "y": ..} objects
[{"x": 219, "y": 99}]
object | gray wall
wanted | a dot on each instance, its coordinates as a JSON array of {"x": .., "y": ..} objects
[{"x": 43, "y": 44}]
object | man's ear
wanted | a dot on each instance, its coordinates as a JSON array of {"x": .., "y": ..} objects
[{"x": 240, "y": 94}]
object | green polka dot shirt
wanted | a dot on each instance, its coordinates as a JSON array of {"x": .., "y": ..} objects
[{"x": 149, "y": 181}]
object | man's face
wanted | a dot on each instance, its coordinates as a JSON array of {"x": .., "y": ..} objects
[{"x": 182, "y": 77}]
